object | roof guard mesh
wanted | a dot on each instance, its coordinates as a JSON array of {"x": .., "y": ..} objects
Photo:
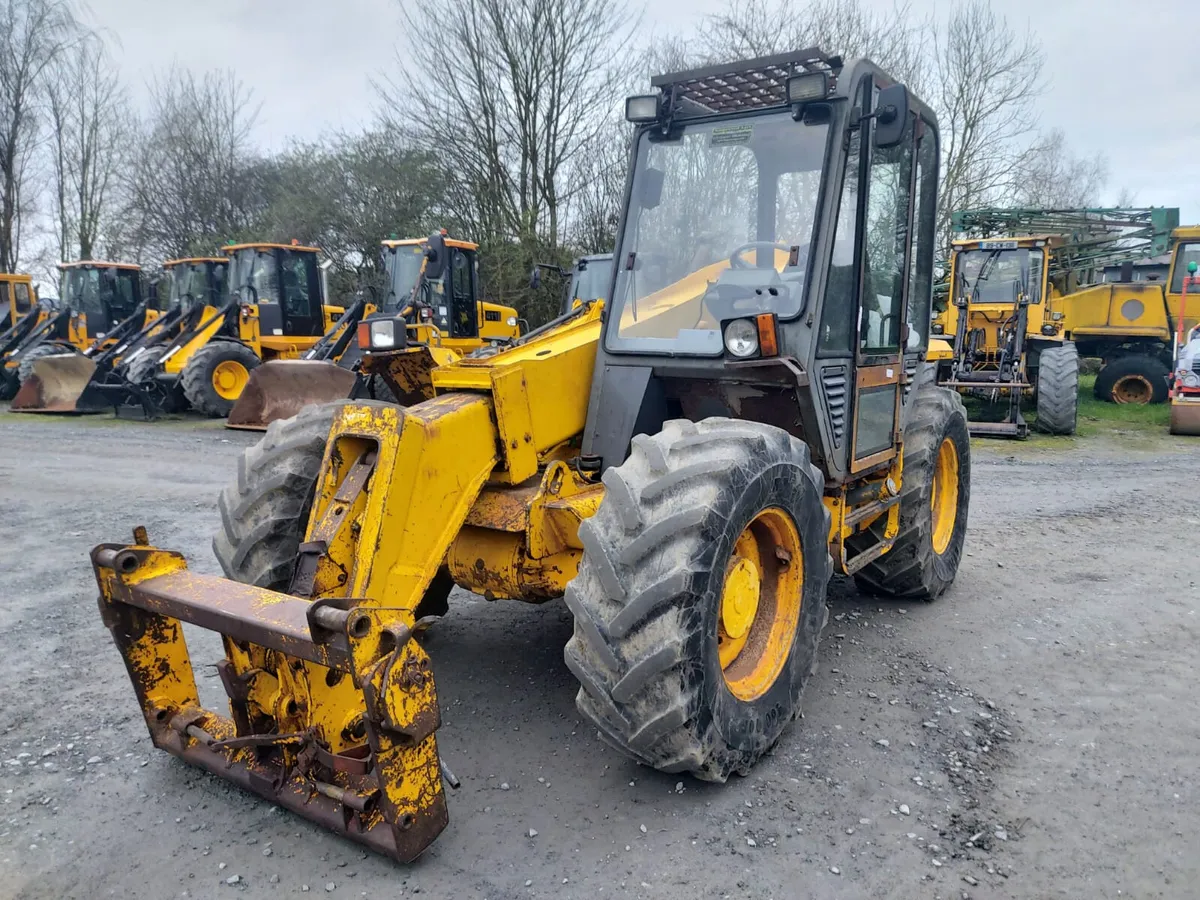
[{"x": 744, "y": 85}]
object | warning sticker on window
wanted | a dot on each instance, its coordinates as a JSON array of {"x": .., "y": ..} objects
[{"x": 732, "y": 134}]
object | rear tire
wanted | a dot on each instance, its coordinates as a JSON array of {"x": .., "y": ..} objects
[
  {"x": 202, "y": 372},
  {"x": 1135, "y": 379},
  {"x": 33, "y": 354},
  {"x": 264, "y": 510},
  {"x": 1058, "y": 389},
  {"x": 915, "y": 567},
  {"x": 651, "y": 598}
]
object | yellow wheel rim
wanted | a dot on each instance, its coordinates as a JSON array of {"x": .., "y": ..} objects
[
  {"x": 760, "y": 604},
  {"x": 944, "y": 500},
  {"x": 1133, "y": 389},
  {"x": 229, "y": 378}
]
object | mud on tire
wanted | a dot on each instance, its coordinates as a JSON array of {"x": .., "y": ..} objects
[
  {"x": 646, "y": 598},
  {"x": 912, "y": 569},
  {"x": 1058, "y": 389}
]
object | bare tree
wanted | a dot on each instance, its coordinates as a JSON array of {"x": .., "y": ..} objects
[
  {"x": 987, "y": 81},
  {"x": 193, "y": 182},
  {"x": 523, "y": 93},
  {"x": 1054, "y": 178},
  {"x": 90, "y": 128},
  {"x": 33, "y": 34}
]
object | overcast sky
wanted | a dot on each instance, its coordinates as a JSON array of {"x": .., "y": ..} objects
[{"x": 1123, "y": 75}]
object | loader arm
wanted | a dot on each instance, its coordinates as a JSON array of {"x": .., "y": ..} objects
[{"x": 333, "y": 704}]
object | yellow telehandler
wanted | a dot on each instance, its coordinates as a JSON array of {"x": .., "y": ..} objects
[
  {"x": 442, "y": 313},
  {"x": 21, "y": 311},
  {"x": 686, "y": 463},
  {"x": 101, "y": 304}
]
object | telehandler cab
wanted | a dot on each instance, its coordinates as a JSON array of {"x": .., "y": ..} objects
[{"x": 686, "y": 463}]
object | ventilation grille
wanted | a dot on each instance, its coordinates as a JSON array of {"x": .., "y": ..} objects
[
  {"x": 910, "y": 373},
  {"x": 834, "y": 383}
]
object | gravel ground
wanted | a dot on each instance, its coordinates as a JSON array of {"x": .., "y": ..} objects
[{"x": 1032, "y": 734}]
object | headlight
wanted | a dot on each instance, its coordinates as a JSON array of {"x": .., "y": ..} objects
[
  {"x": 643, "y": 108},
  {"x": 512, "y": 321},
  {"x": 741, "y": 338},
  {"x": 383, "y": 334},
  {"x": 937, "y": 328},
  {"x": 1191, "y": 379}
]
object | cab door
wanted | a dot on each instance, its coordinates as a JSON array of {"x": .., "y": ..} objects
[{"x": 885, "y": 244}]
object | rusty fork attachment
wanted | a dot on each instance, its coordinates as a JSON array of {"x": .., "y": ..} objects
[{"x": 332, "y": 703}]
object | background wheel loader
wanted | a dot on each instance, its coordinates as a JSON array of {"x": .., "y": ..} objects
[
  {"x": 271, "y": 306},
  {"x": 750, "y": 414},
  {"x": 585, "y": 281},
  {"x": 21, "y": 311},
  {"x": 443, "y": 314},
  {"x": 1028, "y": 297},
  {"x": 120, "y": 374},
  {"x": 100, "y": 303}
]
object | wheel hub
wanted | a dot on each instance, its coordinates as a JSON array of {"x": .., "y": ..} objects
[
  {"x": 943, "y": 498},
  {"x": 739, "y": 603},
  {"x": 229, "y": 378},
  {"x": 1133, "y": 389}
]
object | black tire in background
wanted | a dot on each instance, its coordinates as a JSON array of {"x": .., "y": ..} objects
[
  {"x": 1115, "y": 380},
  {"x": 1058, "y": 389},
  {"x": 33, "y": 354},
  {"x": 198, "y": 375},
  {"x": 657, "y": 556}
]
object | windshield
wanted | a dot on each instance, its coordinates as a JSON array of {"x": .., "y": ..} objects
[
  {"x": 997, "y": 276},
  {"x": 720, "y": 223},
  {"x": 1187, "y": 253},
  {"x": 403, "y": 265},
  {"x": 105, "y": 294},
  {"x": 250, "y": 268},
  {"x": 591, "y": 280},
  {"x": 190, "y": 284}
]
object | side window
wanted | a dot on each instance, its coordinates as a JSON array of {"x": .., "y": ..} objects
[
  {"x": 920, "y": 284},
  {"x": 837, "y": 315},
  {"x": 5, "y": 299},
  {"x": 886, "y": 238},
  {"x": 1187, "y": 253},
  {"x": 465, "y": 317}
]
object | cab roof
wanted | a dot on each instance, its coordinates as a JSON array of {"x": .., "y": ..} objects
[
  {"x": 1186, "y": 233},
  {"x": 230, "y": 248},
  {"x": 98, "y": 264},
  {"x": 415, "y": 242},
  {"x": 192, "y": 260},
  {"x": 14, "y": 276}
]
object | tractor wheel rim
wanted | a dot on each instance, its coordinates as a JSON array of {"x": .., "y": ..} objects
[
  {"x": 760, "y": 604},
  {"x": 943, "y": 500},
  {"x": 229, "y": 378},
  {"x": 1133, "y": 389}
]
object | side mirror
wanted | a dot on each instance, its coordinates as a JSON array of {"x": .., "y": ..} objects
[
  {"x": 435, "y": 257},
  {"x": 650, "y": 187},
  {"x": 891, "y": 115},
  {"x": 535, "y": 278}
]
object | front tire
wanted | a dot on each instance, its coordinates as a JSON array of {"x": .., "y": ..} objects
[
  {"x": 935, "y": 495},
  {"x": 33, "y": 354},
  {"x": 700, "y": 597},
  {"x": 216, "y": 375},
  {"x": 1058, "y": 389}
]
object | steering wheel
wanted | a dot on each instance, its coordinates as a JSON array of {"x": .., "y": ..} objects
[{"x": 738, "y": 261}]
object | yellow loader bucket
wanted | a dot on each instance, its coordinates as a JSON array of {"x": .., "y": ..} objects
[
  {"x": 279, "y": 389},
  {"x": 55, "y": 385},
  {"x": 1185, "y": 415}
]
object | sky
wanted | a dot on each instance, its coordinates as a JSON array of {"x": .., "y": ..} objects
[{"x": 1123, "y": 76}]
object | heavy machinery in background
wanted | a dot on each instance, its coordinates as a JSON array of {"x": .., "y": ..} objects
[
  {"x": 1185, "y": 375},
  {"x": 1027, "y": 299},
  {"x": 586, "y": 280},
  {"x": 116, "y": 377},
  {"x": 100, "y": 301},
  {"x": 686, "y": 464},
  {"x": 21, "y": 311},
  {"x": 442, "y": 314},
  {"x": 271, "y": 306}
]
